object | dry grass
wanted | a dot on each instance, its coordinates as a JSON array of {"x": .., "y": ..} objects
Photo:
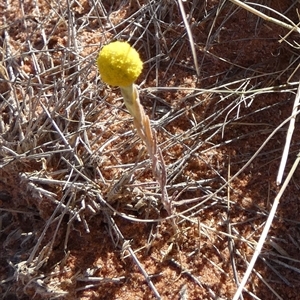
[{"x": 81, "y": 215}]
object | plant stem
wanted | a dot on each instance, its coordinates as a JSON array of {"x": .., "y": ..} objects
[{"x": 147, "y": 134}]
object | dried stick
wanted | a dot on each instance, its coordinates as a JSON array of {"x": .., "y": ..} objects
[
  {"x": 265, "y": 231},
  {"x": 293, "y": 27},
  {"x": 126, "y": 247},
  {"x": 288, "y": 138}
]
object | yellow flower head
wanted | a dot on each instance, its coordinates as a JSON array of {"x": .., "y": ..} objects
[{"x": 119, "y": 64}]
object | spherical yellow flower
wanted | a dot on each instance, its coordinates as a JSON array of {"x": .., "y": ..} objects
[{"x": 119, "y": 64}]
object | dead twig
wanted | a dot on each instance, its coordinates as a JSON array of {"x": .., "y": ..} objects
[
  {"x": 292, "y": 27},
  {"x": 266, "y": 230},
  {"x": 288, "y": 137},
  {"x": 126, "y": 247}
]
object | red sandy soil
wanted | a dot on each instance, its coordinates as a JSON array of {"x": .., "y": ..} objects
[{"x": 193, "y": 262}]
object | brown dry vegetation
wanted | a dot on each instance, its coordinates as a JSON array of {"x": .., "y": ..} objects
[{"x": 80, "y": 212}]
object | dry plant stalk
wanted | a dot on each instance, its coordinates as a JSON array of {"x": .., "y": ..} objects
[
  {"x": 265, "y": 231},
  {"x": 288, "y": 137},
  {"x": 293, "y": 27},
  {"x": 119, "y": 64}
]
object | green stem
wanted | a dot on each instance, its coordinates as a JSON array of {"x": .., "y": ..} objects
[{"x": 130, "y": 95}]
